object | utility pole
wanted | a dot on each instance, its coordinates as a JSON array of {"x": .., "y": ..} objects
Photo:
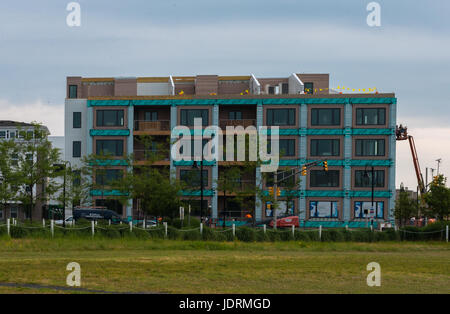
[
  {"x": 438, "y": 162},
  {"x": 275, "y": 190}
]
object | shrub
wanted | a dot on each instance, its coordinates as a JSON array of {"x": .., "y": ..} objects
[{"x": 246, "y": 234}]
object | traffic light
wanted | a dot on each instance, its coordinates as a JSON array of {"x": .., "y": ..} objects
[
  {"x": 270, "y": 190},
  {"x": 325, "y": 165},
  {"x": 278, "y": 192},
  {"x": 268, "y": 206},
  {"x": 304, "y": 171}
]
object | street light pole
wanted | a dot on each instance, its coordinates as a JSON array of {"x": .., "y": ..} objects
[{"x": 275, "y": 195}]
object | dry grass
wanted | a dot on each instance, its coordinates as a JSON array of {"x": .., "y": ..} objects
[{"x": 213, "y": 267}]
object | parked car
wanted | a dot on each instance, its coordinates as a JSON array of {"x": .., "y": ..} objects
[
  {"x": 96, "y": 214},
  {"x": 286, "y": 222},
  {"x": 69, "y": 221}
]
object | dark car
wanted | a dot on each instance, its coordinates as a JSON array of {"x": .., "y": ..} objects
[{"x": 96, "y": 214}]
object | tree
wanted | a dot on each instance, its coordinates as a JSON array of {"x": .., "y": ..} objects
[
  {"x": 36, "y": 160},
  {"x": 438, "y": 198},
  {"x": 229, "y": 182},
  {"x": 9, "y": 177},
  {"x": 405, "y": 207},
  {"x": 152, "y": 188}
]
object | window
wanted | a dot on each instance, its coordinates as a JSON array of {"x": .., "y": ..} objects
[
  {"x": 370, "y": 116},
  {"x": 195, "y": 207},
  {"x": 110, "y": 118},
  {"x": 14, "y": 211},
  {"x": 15, "y": 159},
  {"x": 76, "y": 175},
  {"x": 192, "y": 177},
  {"x": 188, "y": 116},
  {"x": 364, "y": 209},
  {"x": 324, "y": 179},
  {"x": 76, "y": 149},
  {"x": 151, "y": 116},
  {"x": 284, "y": 178},
  {"x": 196, "y": 142},
  {"x": 2, "y": 134},
  {"x": 12, "y": 134},
  {"x": 323, "y": 209},
  {"x": 280, "y": 117},
  {"x": 287, "y": 148},
  {"x": 285, "y": 88},
  {"x": 363, "y": 178},
  {"x": 325, "y": 147},
  {"x": 109, "y": 147},
  {"x": 325, "y": 116},
  {"x": 309, "y": 88},
  {"x": 107, "y": 176},
  {"x": 73, "y": 91},
  {"x": 77, "y": 120},
  {"x": 370, "y": 147},
  {"x": 271, "y": 90},
  {"x": 235, "y": 115}
]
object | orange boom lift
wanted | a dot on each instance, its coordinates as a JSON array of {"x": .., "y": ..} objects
[{"x": 401, "y": 133}]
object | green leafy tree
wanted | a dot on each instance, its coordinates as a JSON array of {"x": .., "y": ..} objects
[
  {"x": 438, "y": 198},
  {"x": 9, "y": 176},
  {"x": 405, "y": 207},
  {"x": 36, "y": 160}
]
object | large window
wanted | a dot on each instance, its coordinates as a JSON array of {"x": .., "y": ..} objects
[
  {"x": 363, "y": 178},
  {"x": 324, "y": 179},
  {"x": 370, "y": 116},
  {"x": 235, "y": 115},
  {"x": 287, "y": 147},
  {"x": 323, "y": 209},
  {"x": 73, "y": 91},
  {"x": 110, "y": 147},
  {"x": 192, "y": 177},
  {"x": 107, "y": 176},
  {"x": 364, "y": 210},
  {"x": 325, "y": 147},
  {"x": 151, "y": 116},
  {"x": 370, "y": 147},
  {"x": 188, "y": 116},
  {"x": 14, "y": 211},
  {"x": 2, "y": 134},
  {"x": 280, "y": 117},
  {"x": 110, "y": 118},
  {"x": 76, "y": 149},
  {"x": 77, "y": 120},
  {"x": 325, "y": 116},
  {"x": 284, "y": 178}
]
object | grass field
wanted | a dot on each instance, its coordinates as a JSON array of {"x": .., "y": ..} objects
[{"x": 224, "y": 267}]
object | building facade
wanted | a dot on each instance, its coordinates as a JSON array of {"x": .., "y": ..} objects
[
  {"x": 17, "y": 131},
  {"x": 353, "y": 132}
]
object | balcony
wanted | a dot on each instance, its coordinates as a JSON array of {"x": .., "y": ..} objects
[
  {"x": 153, "y": 127},
  {"x": 143, "y": 156},
  {"x": 223, "y": 123}
]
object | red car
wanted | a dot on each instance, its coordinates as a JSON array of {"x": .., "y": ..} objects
[{"x": 286, "y": 222}]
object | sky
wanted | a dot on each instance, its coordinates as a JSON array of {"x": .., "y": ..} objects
[{"x": 409, "y": 54}]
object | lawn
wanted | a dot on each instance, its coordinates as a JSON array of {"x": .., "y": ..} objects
[{"x": 224, "y": 267}]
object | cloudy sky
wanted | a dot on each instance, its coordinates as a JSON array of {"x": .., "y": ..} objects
[{"x": 409, "y": 54}]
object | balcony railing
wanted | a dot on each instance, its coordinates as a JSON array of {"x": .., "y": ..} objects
[
  {"x": 147, "y": 154},
  {"x": 242, "y": 122},
  {"x": 160, "y": 125}
]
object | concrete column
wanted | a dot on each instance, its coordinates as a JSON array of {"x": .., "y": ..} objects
[
  {"x": 173, "y": 124},
  {"x": 347, "y": 170},
  {"x": 392, "y": 156},
  {"x": 130, "y": 150},
  {"x": 303, "y": 145},
  {"x": 89, "y": 126},
  {"x": 258, "y": 178},
  {"x": 215, "y": 167}
]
